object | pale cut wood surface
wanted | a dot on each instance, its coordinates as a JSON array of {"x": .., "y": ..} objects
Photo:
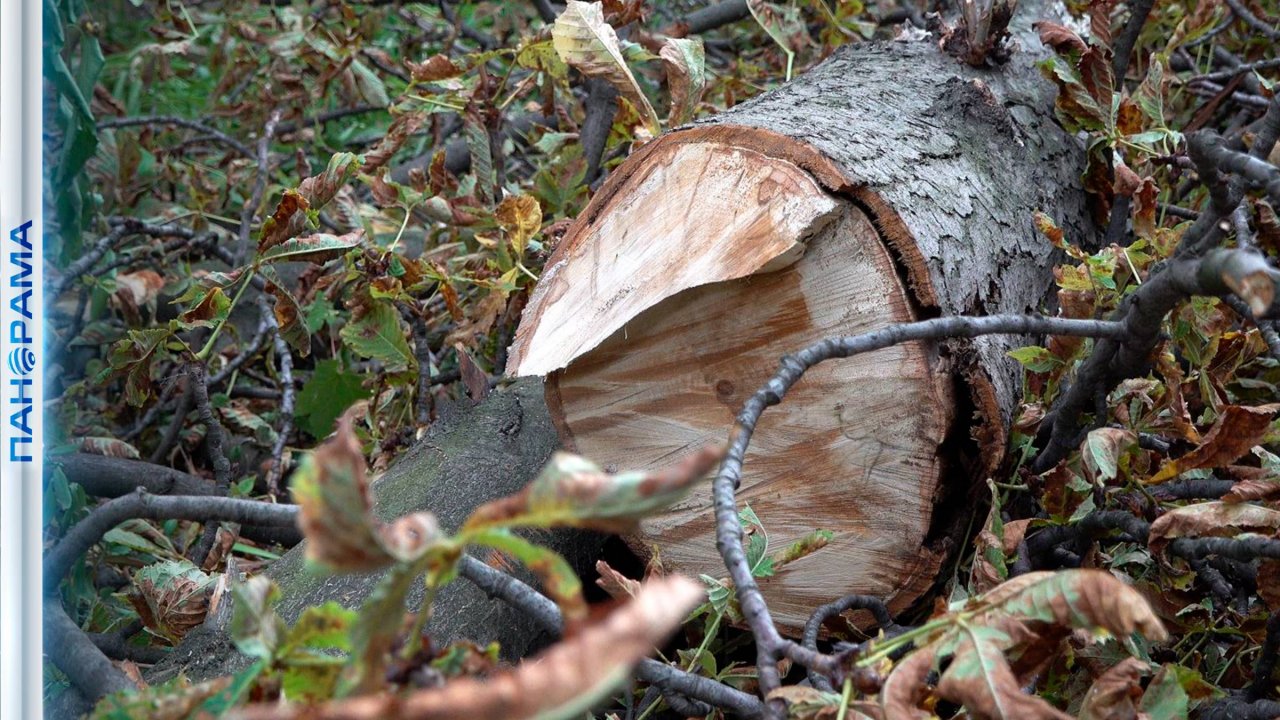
[
  {"x": 696, "y": 213},
  {"x": 854, "y": 449}
]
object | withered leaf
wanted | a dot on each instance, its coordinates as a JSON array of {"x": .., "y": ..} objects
[
  {"x": 585, "y": 41},
  {"x": 564, "y": 681},
  {"x": 685, "y": 63},
  {"x": 436, "y": 67},
  {"x": 335, "y": 511},
  {"x": 474, "y": 377},
  {"x": 520, "y": 217},
  {"x": 1236, "y": 430},
  {"x": 319, "y": 248},
  {"x": 1062, "y": 39},
  {"x": 979, "y": 676},
  {"x": 277, "y": 227},
  {"x": 1015, "y": 616},
  {"x": 618, "y": 586},
  {"x": 402, "y": 128},
  {"x": 1211, "y": 519},
  {"x": 1114, "y": 695},
  {"x": 572, "y": 491}
]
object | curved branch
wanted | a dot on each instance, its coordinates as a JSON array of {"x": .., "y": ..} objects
[
  {"x": 770, "y": 645},
  {"x": 71, "y": 650},
  {"x": 141, "y": 504}
]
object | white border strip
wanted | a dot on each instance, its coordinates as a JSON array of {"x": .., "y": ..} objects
[{"x": 21, "y": 360}]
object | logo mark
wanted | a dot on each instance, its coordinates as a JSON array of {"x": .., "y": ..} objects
[{"x": 22, "y": 361}]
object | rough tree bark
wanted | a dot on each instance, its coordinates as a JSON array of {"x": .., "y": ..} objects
[{"x": 891, "y": 183}]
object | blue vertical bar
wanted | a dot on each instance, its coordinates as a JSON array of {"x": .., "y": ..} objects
[{"x": 21, "y": 360}]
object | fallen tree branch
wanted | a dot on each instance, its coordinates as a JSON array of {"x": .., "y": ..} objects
[
  {"x": 770, "y": 645},
  {"x": 520, "y": 595},
  {"x": 71, "y": 650},
  {"x": 180, "y": 122},
  {"x": 141, "y": 504}
]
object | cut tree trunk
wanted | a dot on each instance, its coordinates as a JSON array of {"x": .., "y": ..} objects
[{"x": 889, "y": 184}]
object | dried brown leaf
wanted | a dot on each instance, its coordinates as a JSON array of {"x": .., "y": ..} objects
[
  {"x": 618, "y": 586},
  {"x": 1236, "y": 430},
  {"x": 1114, "y": 695},
  {"x": 1211, "y": 519},
  {"x": 1267, "y": 488},
  {"x": 571, "y": 676},
  {"x": 473, "y": 376},
  {"x": 905, "y": 689},
  {"x": 436, "y": 67},
  {"x": 277, "y": 228},
  {"x": 1062, "y": 39},
  {"x": 979, "y": 676},
  {"x": 401, "y": 129},
  {"x": 331, "y": 488}
]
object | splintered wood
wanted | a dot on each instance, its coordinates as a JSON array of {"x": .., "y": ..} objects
[
  {"x": 673, "y": 300},
  {"x": 696, "y": 213}
]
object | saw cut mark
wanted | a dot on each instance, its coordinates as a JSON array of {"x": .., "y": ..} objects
[{"x": 853, "y": 449}]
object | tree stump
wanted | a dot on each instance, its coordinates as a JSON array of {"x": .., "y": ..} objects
[{"x": 889, "y": 184}]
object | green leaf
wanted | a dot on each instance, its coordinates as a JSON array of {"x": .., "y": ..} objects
[
  {"x": 542, "y": 56},
  {"x": 369, "y": 84},
  {"x": 803, "y": 547},
  {"x": 375, "y": 629},
  {"x": 477, "y": 139},
  {"x": 779, "y": 23},
  {"x": 1103, "y": 450},
  {"x": 133, "y": 357},
  {"x": 255, "y": 628},
  {"x": 320, "y": 627},
  {"x": 1035, "y": 358},
  {"x": 319, "y": 248},
  {"x": 254, "y": 551},
  {"x": 377, "y": 334},
  {"x": 326, "y": 394},
  {"x": 1165, "y": 699},
  {"x": 243, "y": 420},
  {"x": 234, "y": 693}
]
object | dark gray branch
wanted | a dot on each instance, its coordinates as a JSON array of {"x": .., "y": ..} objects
[
  {"x": 141, "y": 504},
  {"x": 770, "y": 645},
  {"x": 71, "y": 650}
]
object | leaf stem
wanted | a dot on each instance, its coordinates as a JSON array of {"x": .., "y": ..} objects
[
  {"x": 217, "y": 329},
  {"x": 844, "y": 697}
]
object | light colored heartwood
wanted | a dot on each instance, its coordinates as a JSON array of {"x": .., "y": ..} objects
[
  {"x": 853, "y": 449},
  {"x": 696, "y": 213}
]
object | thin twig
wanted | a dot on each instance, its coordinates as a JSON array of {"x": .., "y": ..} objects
[
  {"x": 543, "y": 611},
  {"x": 180, "y": 122},
  {"x": 1266, "y": 664},
  {"x": 259, "y": 186},
  {"x": 215, "y": 439},
  {"x": 71, "y": 650},
  {"x": 288, "y": 394},
  {"x": 1138, "y": 12},
  {"x": 1248, "y": 18}
]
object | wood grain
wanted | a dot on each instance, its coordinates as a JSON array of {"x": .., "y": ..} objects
[
  {"x": 853, "y": 450},
  {"x": 698, "y": 213}
]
